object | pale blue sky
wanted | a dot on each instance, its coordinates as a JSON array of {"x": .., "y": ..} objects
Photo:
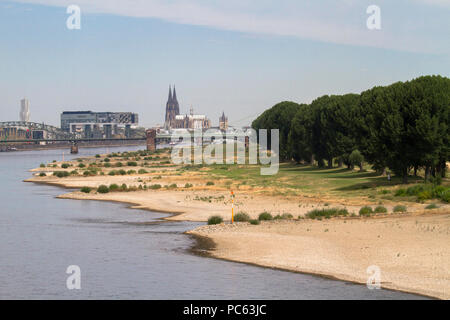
[{"x": 241, "y": 56}]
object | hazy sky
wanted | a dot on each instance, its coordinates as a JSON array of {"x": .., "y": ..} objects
[{"x": 241, "y": 56}]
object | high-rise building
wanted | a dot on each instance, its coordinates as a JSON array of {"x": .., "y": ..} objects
[
  {"x": 25, "y": 110},
  {"x": 99, "y": 124},
  {"x": 172, "y": 109}
]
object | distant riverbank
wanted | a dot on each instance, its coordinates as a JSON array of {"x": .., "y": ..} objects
[
  {"x": 412, "y": 250},
  {"x": 54, "y": 146}
]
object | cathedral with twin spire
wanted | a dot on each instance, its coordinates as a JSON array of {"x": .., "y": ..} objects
[
  {"x": 175, "y": 120},
  {"x": 172, "y": 109}
]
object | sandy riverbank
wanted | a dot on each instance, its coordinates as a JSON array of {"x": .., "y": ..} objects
[{"x": 412, "y": 251}]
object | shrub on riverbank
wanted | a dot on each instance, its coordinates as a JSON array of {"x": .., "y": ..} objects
[
  {"x": 431, "y": 206},
  {"x": 254, "y": 221},
  {"x": 424, "y": 192},
  {"x": 61, "y": 174},
  {"x": 241, "y": 217},
  {"x": 326, "y": 213},
  {"x": 265, "y": 216},
  {"x": 85, "y": 189},
  {"x": 155, "y": 186},
  {"x": 188, "y": 185},
  {"x": 42, "y": 174},
  {"x": 380, "y": 209},
  {"x": 113, "y": 187},
  {"x": 215, "y": 220},
  {"x": 210, "y": 183},
  {"x": 103, "y": 189},
  {"x": 284, "y": 216},
  {"x": 399, "y": 208},
  {"x": 365, "y": 211}
]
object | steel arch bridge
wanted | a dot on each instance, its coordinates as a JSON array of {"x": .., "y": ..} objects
[{"x": 53, "y": 131}]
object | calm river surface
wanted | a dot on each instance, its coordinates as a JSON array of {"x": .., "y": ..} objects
[{"x": 121, "y": 256}]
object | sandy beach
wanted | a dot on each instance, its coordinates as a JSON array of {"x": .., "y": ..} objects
[{"x": 412, "y": 249}]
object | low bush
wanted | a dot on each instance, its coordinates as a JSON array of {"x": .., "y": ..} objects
[
  {"x": 432, "y": 206},
  {"x": 122, "y": 172},
  {"x": 215, "y": 220},
  {"x": 132, "y": 164},
  {"x": 400, "y": 193},
  {"x": 445, "y": 195},
  {"x": 210, "y": 183},
  {"x": 103, "y": 189},
  {"x": 188, "y": 185},
  {"x": 61, "y": 174},
  {"x": 265, "y": 216},
  {"x": 399, "y": 208},
  {"x": 254, "y": 221},
  {"x": 155, "y": 186},
  {"x": 107, "y": 160},
  {"x": 365, "y": 211},
  {"x": 97, "y": 156},
  {"x": 142, "y": 171},
  {"x": 42, "y": 174},
  {"x": 426, "y": 191},
  {"x": 85, "y": 189},
  {"x": 112, "y": 173},
  {"x": 131, "y": 171},
  {"x": 65, "y": 165},
  {"x": 380, "y": 209},
  {"x": 326, "y": 213},
  {"x": 113, "y": 187},
  {"x": 241, "y": 217},
  {"x": 81, "y": 165},
  {"x": 424, "y": 195},
  {"x": 42, "y": 165}
]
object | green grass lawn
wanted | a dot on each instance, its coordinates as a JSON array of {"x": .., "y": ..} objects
[{"x": 302, "y": 179}]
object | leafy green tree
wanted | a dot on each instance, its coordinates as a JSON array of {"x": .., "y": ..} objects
[
  {"x": 356, "y": 159},
  {"x": 300, "y": 137},
  {"x": 278, "y": 117}
]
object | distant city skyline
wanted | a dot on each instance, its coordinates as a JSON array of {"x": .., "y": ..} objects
[{"x": 240, "y": 57}]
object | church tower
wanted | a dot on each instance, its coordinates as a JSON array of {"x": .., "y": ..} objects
[{"x": 172, "y": 109}]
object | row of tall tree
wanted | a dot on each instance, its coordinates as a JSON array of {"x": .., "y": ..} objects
[{"x": 404, "y": 126}]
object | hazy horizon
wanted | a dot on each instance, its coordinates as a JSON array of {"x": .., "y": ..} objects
[{"x": 240, "y": 57}]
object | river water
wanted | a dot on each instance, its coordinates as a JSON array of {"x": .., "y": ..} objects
[{"x": 124, "y": 253}]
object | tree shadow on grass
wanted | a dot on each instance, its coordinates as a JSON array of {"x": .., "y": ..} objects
[
  {"x": 360, "y": 175},
  {"x": 378, "y": 182},
  {"x": 313, "y": 170}
]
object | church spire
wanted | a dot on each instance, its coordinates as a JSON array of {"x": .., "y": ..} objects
[
  {"x": 174, "y": 93},
  {"x": 170, "y": 94}
]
